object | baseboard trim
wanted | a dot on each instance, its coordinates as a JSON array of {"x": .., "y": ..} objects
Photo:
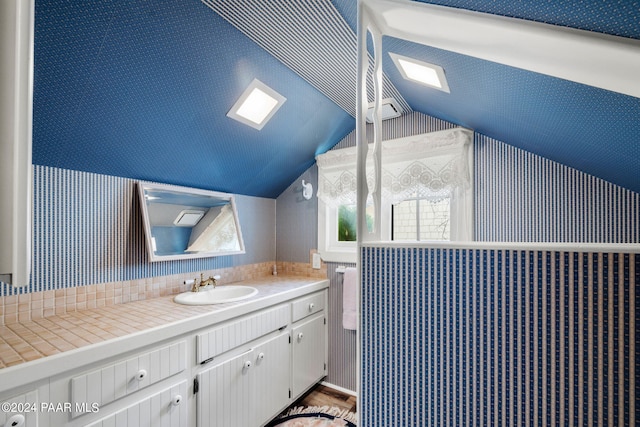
[{"x": 340, "y": 389}]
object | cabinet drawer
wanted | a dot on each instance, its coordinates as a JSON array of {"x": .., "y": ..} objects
[
  {"x": 111, "y": 382},
  {"x": 166, "y": 408},
  {"x": 306, "y": 306},
  {"x": 223, "y": 338},
  {"x": 21, "y": 409}
]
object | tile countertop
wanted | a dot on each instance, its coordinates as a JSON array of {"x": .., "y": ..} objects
[{"x": 40, "y": 348}]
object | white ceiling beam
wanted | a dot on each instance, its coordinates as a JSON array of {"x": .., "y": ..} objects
[{"x": 595, "y": 59}]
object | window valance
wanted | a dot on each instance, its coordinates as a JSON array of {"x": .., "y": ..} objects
[{"x": 427, "y": 166}]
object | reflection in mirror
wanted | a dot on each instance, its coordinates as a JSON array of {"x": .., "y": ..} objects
[{"x": 184, "y": 223}]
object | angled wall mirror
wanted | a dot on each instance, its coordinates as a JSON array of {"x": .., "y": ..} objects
[{"x": 186, "y": 223}]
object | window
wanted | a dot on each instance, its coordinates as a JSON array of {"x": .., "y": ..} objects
[
  {"x": 421, "y": 220},
  {"x": 426, "y": 192},
  {"x": 347, "y": 222}
]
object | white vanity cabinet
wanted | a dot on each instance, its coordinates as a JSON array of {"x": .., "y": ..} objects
[
  {"x": 249, "y": 380},
  {"x": 238, "y": 366},
  {"x": 262, "y": 377}
]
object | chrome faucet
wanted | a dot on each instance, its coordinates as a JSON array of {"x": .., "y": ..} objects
[{"x": 210, "y": 281}]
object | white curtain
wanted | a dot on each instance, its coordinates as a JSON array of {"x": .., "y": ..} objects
[{"x": 430, "y": 165}]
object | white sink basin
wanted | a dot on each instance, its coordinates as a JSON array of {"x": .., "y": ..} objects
[{"x": 217, "y": 295}]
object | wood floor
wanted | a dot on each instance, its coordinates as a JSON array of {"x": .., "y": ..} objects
[
  {"x": 326, "y": 396},
  {"x": 323, "y": 396}
]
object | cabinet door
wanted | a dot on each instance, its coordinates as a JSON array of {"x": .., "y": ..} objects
[
  {"x": 224, "y": 398},
  {"x": 271, "y": 378},
  {"x": 309, "y": 354}
]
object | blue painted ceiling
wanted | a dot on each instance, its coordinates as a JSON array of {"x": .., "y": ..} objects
[{"x": 141, "y": 89}]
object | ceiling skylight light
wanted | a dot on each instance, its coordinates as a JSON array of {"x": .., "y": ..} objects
[
  {"x": 421, "y": 72},
  {"x": 257, "y": 104}
]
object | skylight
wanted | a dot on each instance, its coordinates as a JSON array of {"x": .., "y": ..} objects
[
  {"x": 257, "y": 104},
  {"x": 427, "y": 74}
]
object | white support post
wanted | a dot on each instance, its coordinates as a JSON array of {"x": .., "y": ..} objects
[
  {"x": 377, "y": 132},
  {"x": 366, "y": 24},
  {"x": 361, "y": 126},
  {"x": 361, "y": 164},
  {"x": 16, "y": 100}
]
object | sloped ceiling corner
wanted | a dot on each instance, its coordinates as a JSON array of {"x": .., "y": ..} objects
[
  {"x": 593, "y": 130},
  {"x": 141, "y": 89},
  {"x": 311, "y": 38}
]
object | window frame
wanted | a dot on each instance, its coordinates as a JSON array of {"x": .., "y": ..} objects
[
  {"x": 331, "y": 249},
  {"x": 461, "y": 206}
]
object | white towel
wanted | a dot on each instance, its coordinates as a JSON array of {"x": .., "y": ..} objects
[{"x": 350, "y": 299}]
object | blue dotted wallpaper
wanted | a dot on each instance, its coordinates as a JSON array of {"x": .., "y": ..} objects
[
  {"x": 141, "y": 89},
  {"x": 590, "y": 129},
  {"x": 616, "y": 17}
]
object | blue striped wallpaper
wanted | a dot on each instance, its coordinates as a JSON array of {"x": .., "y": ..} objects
[
  {"x": 87, "y": 226},
  {"x": 511, "y": 190},
  {"x": 521, "y": 197},
  {"x": 478, "y": 337},
  {"x": 343, "y": 345},
  {"x": 88, "y": 229}
]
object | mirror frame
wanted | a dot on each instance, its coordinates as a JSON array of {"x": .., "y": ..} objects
[{"x": 153, "y": 257}]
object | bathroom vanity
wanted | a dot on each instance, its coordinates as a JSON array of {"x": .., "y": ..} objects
[{"x": 234, "y": 364}]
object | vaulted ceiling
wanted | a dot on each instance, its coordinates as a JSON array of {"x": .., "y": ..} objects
[{"x": 141, "y": 89}]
